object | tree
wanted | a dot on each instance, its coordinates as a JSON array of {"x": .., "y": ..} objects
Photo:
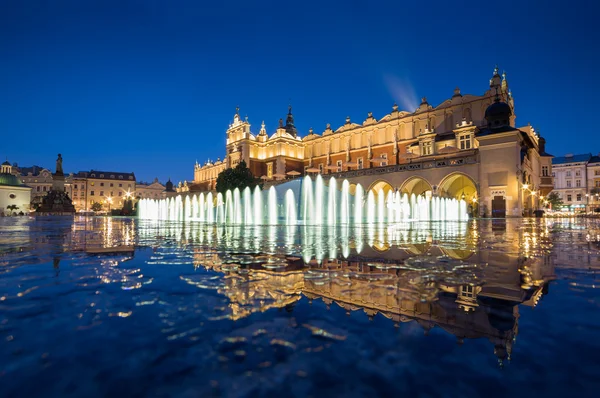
[
  {"x": 12, "y": 208},
  {"x": 96, "y": 207},
  {"x": 127, "y": 209},
  {"x": 554, "y": 200},
  {"x": 238, "y": 177}
]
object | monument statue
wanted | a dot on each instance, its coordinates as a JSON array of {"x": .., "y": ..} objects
[{"x": 59, "y": 168}]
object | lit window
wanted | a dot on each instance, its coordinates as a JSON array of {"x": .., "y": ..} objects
[
  {"x": 92, "y": 183},
  {"x": 465, "y": 141},
  {"x": 269, "y": 170},
  {"x": 427, "y": 148},
  {"x": 384, "y": 156},
  {"x": 466, "y": 291}
]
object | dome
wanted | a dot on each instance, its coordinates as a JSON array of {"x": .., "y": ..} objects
[
  {"x": 169, "y": 185},
  {"x": 498, "y": 109},
  {"x": 498, "y": 114},
  {"x": 10, "y": 179},
  {"x": 6, "y": 163}
]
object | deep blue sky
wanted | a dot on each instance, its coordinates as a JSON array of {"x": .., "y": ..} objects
[{"x": 149, "y": 86}]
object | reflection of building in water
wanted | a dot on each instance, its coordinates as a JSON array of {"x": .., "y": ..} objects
[{"x": 469, "y": 293}]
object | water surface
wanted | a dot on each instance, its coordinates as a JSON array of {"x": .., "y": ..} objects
[{"x": 119, "y": 307}]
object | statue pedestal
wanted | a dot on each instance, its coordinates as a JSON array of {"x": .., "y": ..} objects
[
  {"x": 56, "y": 201},
  {"x": 58, "y": 182}
]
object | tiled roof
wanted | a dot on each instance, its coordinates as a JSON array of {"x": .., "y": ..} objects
[{"x": 572, "y": 159}]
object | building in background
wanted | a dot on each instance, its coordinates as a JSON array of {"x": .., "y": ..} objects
[
  {"x": 13, "y": 192},
  {"x": 109, "y": 188},
  {"x": 577, "y": 181},
  {"x": 154, "y": 190}
]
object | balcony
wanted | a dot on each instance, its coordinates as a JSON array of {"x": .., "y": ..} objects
[{"x": 547, "y": 181}]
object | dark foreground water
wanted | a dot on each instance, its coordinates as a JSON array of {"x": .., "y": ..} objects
[{"x": 115, "y": 307}]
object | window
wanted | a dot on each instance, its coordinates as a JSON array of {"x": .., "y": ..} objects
[
  {"x": 74, "y": 194},
  {"x": 577, "y": 173},
  {"x": 427, "y": 148},
  {"x": 569, "y": 184},
  {"x": 111, "y": 184},
  {"x": 545, "y": 171},
  {"x": 111, "y": 194},
  {"x": 101, "y": 193},
  {"x": 578, "y": 183},
  {"x": 92, "y": 183},
  {"x": 112, "y": 176},
  {"x": 339, "y": 165},
  {"x": 93, "y": 175},
  {"x": 269, "y": 170},
  {"x": 568, "y": 198},
  {"x": 360, "y": 163},
  {"x": 38, "y": 188},
  {"x": 579, "y": 197},
  {"x": 466, "y": 291},
  {"x": 120, "y": 193},
  {"x": 465, "y": 141},
  {"x": 120, "y": 185},
  {"x": 91, "y": 193},
  {"x": 75, "y": 186},
  {"x": 101, "y": 184},
  {"x": 568, "y": 173},
  {"x": 597, "y": 172},
  {"x": 553, "y": 174},
  {"x": 120, "y": 177},
  {"x": 321, "y": 168},
  {"x": 44, "y": 188},
  {"x": 131, "y": 177},
  {"x": 597, "y": 184},
  {"x": 384, "y": 156}
]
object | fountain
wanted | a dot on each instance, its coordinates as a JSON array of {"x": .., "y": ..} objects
[{"x": 309, "y": 202}]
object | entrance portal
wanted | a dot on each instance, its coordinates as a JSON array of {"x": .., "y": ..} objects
[{"x": 499, "y": 207}]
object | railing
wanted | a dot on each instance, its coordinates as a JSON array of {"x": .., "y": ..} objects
[{"x": 412, "y": 165}]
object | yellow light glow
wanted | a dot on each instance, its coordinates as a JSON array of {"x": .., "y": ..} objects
[{"x": 525, "y": 186}]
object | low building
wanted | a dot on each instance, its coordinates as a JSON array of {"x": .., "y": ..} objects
[
  {"x": 109, "y": 188},
  {"x": 13, "y": 192},
  {"x": 154, "y": 190}
]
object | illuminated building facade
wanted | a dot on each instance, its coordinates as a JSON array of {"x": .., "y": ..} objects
[{"x": 466, "y": 147}]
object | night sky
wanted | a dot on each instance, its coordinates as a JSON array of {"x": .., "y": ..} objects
[{"x": 149, "y": 86}]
